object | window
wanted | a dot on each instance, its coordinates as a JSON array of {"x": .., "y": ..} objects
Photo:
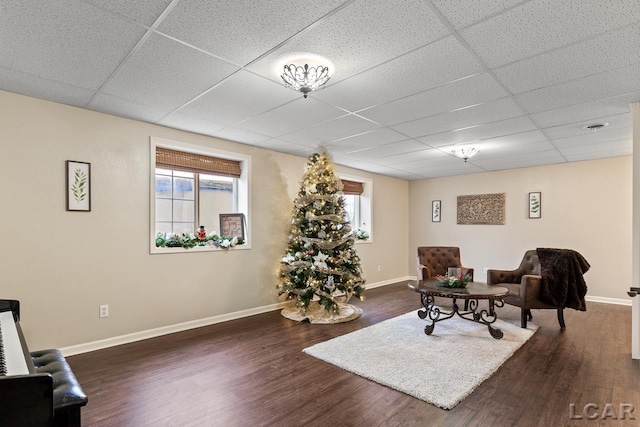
[
  {"x": 192, "y": 186},
  {"x": 357, "y": 196}
]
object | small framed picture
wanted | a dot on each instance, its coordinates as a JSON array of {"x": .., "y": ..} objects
[
  {"x": 535, "y": 205},
  {"x": 435, "y": 211},
  {"x": 232, "y": 225},
  {"x": 78, "y": 186}
]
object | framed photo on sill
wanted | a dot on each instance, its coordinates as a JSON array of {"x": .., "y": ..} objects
[
  {"x": 435, "y": 210},
  {"x": 535, "y": 205},
  {"x": 232, "y": 225},
  {"x": 78, "y": 186}
]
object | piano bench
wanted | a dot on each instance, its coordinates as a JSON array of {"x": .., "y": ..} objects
[{"x": 68, "y": 396}]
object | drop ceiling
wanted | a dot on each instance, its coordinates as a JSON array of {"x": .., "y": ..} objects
[{"x": 410, "y": 79}]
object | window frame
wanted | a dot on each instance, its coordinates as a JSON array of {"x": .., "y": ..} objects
[
  {"x": 366, "y": 204},
  {"x": 243, "y": 191}
]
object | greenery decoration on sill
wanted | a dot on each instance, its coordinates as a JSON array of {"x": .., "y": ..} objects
[
  {"x": 187, "y": 241},
  {"x": 453, "y": 281},
  {"x": 361, "y": 234}
]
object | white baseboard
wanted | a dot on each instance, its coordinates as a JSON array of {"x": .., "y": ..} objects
[
  {"x": 606, "y": 300},
  {"x": 179, "y": 327}
]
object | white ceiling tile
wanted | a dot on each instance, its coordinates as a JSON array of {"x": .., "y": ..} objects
[
  {"x": 443, "y": 160},
  {"x": 515, "y": 142},
  {"x": 241, "y": 31},
  {"x": 190, "y": 123},
  {"x": 599, "y": 137},
  {"x": 235, "y": 99},
  {"x": 435, "y": 64},
  {"x": 363, "y": 34},
  {"x": 517, "y": 163},
  {"x": 588, "y": 111},
  {"x": 279, "y": 145},
  {"x": 39, "y": 87},
  {"x": 461, "y": 13},
  {"x": 456, "y": 167},
  {"x": 117, "y": 106},
  {"x": 166, "y": 74},
  {"x": 519, "y": 160},
  {"x": 461, "y": 93},
  {"x": 489, "y": 112},
  {"x": 401, "y": 147},
  {"x": 240, "y": 135},
  {"x": 64, "y": 41},
  {"x": 611, "y": 83},
  {"x": 407, "y": 176},
  {"x": 403, "y": 89},
  {"x": 541, "y": 25},
  {"x": 512, "y": 140},
  {"x": 480, "y": 132},
  {"x": 605, "y": 52},
  {"x": 427, "y": 154},
  {"x": 363, "y": 141},
  {"x": 323, "y": 133},
  {"x": 577, "y": 129},
  {"x": 624, "y": 148},
  {"x": 613, "y": 146},
  {"x": 143, "y": 11},
  {"x": 494, "y": 152},
  {"x": 300, "y": 114}
]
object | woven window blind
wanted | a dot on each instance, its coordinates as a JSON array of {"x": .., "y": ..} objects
[
  {"x": 198, "y": 163},
  {"x": 352, "y": 187}
]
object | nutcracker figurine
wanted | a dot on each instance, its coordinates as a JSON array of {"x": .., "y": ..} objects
[{"x": 202, "y": 234}]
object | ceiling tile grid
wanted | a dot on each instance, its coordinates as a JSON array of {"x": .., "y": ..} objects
[{"x": 410, "y": 79}]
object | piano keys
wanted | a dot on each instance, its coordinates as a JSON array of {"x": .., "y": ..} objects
[
  {"x": 36, "y": 388},
  {"x": 13, "y": 358}
]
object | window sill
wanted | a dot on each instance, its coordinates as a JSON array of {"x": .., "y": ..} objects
[
  {"x": 196, "y": 249},
  {"x": 364, "y": 242}
]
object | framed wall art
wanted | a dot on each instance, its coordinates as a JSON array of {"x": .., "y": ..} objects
[
  {"x": 78, "y": 186},
  {"x": 487, "y": 209},
  {"x": 535, "y": 205},
  {"x": 435, "y": 210},
  {"x": 232, "y": 225}
]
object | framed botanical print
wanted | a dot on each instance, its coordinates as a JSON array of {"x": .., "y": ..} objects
[
  {"x": 78, "y": 186},
  {"x": 435, "y": 210}
]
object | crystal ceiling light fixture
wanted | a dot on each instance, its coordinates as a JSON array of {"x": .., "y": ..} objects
[
  {"x": 305, "y": 78},
  {"x": 465, "y": 153}
]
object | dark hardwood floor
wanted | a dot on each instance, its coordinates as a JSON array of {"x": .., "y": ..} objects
[{"x": 252, "y": 372}]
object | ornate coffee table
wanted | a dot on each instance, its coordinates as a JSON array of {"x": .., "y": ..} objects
[{"x": 471, "y": 295}]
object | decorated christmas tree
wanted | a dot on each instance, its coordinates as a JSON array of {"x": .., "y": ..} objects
[{"x": 321, "y": 263}]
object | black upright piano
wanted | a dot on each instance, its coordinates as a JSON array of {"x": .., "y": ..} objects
[{"x": 36, "y": 388}]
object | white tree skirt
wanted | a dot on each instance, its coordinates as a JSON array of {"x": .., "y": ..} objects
[{"x": 317, "y": 313}]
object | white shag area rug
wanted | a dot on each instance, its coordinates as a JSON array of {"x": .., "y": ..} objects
[
  {"x": 317, "y": 314},
  {"x": 442, "y": 368}
]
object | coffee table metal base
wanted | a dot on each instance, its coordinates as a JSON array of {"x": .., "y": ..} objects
[{"x": 471, "y": 313}]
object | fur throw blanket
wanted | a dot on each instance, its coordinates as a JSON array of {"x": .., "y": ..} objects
[{"x": 562, "y": 282}]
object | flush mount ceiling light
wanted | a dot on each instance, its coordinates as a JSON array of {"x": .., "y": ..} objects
[
  {"x": 305, "y": 78},
  {"x": 465, "y": 153},
  {"x": 595, "y": 127}
]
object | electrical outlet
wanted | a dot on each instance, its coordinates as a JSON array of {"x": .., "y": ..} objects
[
  {"x": 379, "y": 268},
  {"x": 104, "y": 310}
]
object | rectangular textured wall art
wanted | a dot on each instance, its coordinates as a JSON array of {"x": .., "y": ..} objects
[{"x": 481, "y": 209}]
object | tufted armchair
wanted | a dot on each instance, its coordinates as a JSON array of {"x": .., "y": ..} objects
[
  {"x": 434, "y": 260},
  {"x": 524, "y": 287}
]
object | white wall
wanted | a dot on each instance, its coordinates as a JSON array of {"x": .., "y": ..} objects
[
  {"x": 63, "y": 265},
  {"x": 586, "y": 206}
]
